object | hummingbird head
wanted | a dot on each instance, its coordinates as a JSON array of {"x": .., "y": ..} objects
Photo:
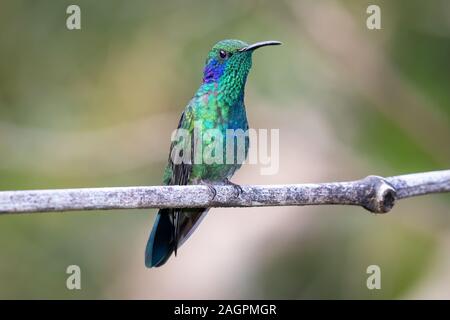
[{"x": 229, "y": 62}]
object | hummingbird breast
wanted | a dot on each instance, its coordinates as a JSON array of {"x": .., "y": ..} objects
[{"x": 216, "y": 116}]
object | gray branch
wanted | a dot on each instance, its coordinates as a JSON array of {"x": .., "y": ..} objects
[{"x": 376, "y": 194}]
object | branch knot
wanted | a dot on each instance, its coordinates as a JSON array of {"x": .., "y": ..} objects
[{"x": 382, "y": 195}]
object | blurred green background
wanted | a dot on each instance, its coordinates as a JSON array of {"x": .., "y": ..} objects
[{"x": 95, "y": 107}]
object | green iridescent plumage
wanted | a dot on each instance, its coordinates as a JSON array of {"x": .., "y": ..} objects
[{"x": 218, "y": 104}]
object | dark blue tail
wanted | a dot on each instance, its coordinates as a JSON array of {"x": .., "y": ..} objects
[{"x": 160, "y": 243}]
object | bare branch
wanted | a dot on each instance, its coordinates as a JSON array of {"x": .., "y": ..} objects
[{"x": 376, "y": 194}]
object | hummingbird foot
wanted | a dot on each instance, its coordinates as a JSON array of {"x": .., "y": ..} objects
[
  {"x": 236, "y": 187},
  {"x": 211, "y": 188}
]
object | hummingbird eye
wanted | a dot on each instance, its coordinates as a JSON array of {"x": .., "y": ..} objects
[{"x": 223, "y": 54}]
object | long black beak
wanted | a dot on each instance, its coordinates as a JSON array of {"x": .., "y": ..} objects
[{"x": 259, "y": 45}]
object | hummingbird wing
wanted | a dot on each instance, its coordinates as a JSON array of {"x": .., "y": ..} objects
[
  {"x": 179, "y": 172},
  {"x": 183, "y": 221},
  {"x": 165, "y": 234}
]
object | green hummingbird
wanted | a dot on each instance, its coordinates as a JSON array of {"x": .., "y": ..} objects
[{"x": 219, "y": 105}]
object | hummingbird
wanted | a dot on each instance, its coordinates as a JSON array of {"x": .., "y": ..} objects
[{"x": 217, "y": 104}]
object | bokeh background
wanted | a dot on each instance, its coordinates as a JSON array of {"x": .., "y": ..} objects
[{"x": 96, "y": 107}]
